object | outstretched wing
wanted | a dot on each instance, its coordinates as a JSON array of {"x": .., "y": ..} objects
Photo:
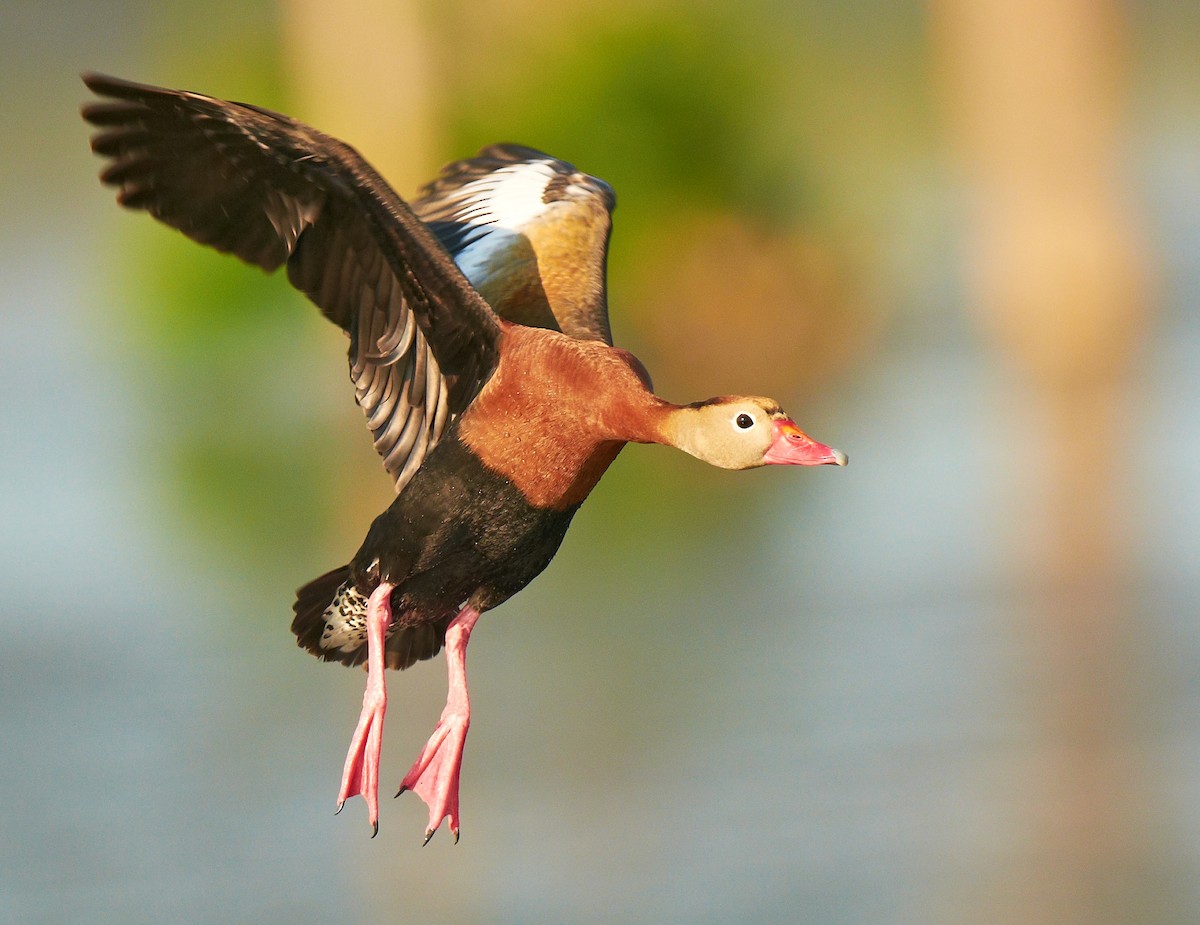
[
  {"x": 271, "y": 190},
  {"x": 531, "y": 234}
]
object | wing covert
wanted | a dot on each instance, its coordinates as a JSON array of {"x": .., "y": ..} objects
[{"x": 531, "y": 234}]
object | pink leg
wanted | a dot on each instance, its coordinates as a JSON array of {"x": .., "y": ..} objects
[
  {"x": 361, "y": 774},
  {"x": 434, "y": 776}
]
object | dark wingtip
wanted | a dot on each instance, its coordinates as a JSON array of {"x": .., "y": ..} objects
[
  {"x": 104, "y": 84},
  {"x": 105, "y": 112},
  {"x": 107, "y": 85}
]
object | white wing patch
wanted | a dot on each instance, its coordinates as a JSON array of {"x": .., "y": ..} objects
[
  {"x": 497, "y": 207},
  {"x": 510, "y": 197},
  {"x": 530, "y": 233}
]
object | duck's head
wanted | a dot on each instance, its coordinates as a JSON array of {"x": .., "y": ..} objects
[{"x": 740, "y": 432}]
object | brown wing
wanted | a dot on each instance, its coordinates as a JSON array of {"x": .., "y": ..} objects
[
  {"x": 257, "y": 184},
  {"x": 531, "y": 234}
]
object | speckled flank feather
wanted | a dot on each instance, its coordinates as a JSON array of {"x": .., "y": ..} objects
[
  {"x": 345, "y": 620},
  {"x": 331, "y": 624}
]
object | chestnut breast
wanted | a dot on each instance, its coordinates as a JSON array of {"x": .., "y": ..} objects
[{"x": 555, "y": 414}]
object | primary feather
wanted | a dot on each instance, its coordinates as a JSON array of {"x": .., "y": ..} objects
[{"x": 272, "y": 190}]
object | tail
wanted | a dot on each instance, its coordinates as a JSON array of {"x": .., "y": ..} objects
[
  {"x": 331, "y": 623},
  {"x": 312, "y": 602}
]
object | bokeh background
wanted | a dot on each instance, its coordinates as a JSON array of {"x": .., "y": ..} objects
[{"x": 955, "y": 682}]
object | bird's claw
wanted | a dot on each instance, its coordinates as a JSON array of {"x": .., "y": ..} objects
[
  {"x": 434, "y": 776},
  {"x": 430, "y": 832},
  {"x": 374, "y": 822}
]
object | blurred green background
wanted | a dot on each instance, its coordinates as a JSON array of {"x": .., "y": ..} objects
[{"x": 956, "y": 682}]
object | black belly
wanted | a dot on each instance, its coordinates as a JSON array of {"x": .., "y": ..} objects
[{"x": 459, "y": 532}]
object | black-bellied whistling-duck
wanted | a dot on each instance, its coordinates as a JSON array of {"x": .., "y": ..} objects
[{"x": 480, "y": 354}]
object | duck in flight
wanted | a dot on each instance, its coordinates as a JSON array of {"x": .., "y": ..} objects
[{"x": 480, "y": 354}]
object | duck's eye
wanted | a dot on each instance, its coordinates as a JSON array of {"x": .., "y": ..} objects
[{"x": 744, "y": 421}]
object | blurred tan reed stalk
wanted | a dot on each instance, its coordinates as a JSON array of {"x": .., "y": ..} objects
[
  {"x": 362, "y": 71},
  {"x": 1058, "y": 277}
]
